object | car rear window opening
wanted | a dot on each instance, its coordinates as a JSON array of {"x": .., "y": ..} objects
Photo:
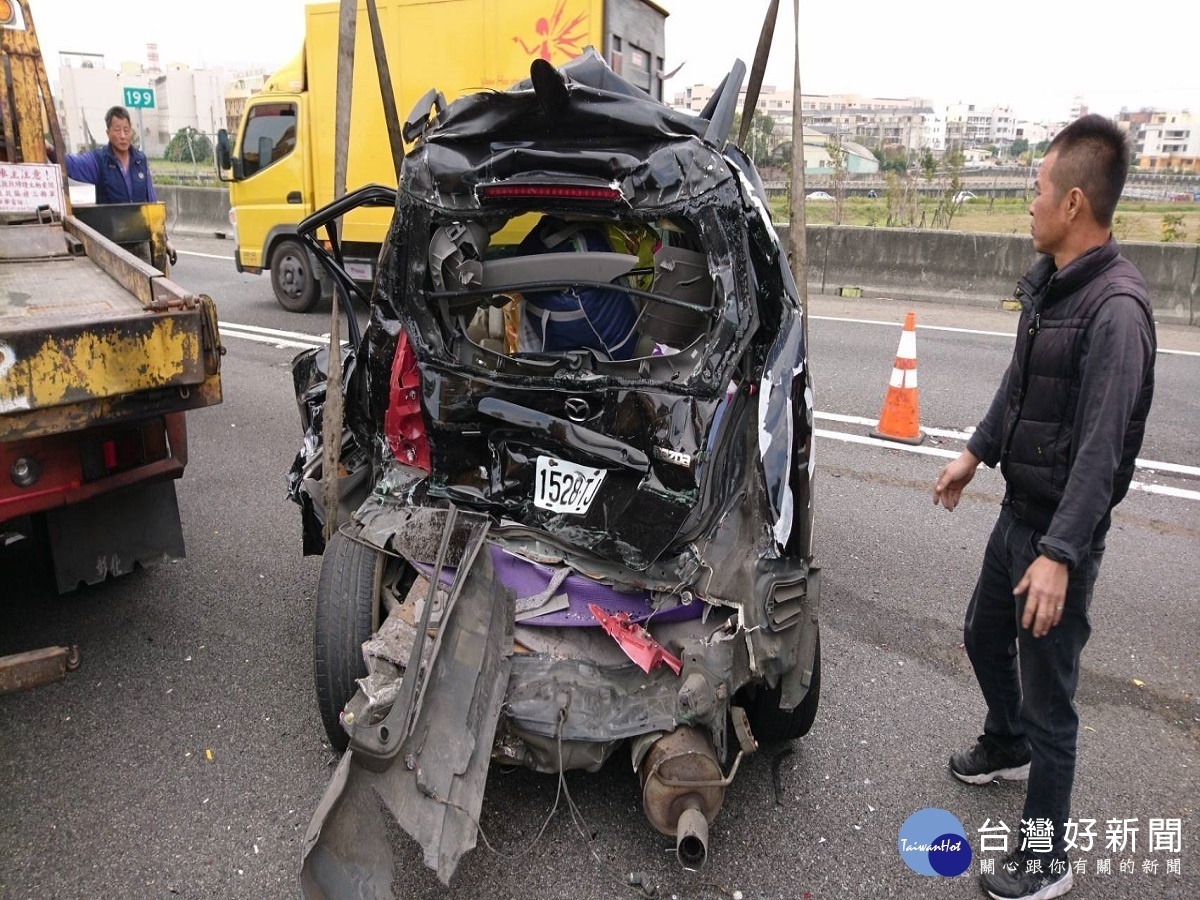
[{"x": 544, "y": 286}]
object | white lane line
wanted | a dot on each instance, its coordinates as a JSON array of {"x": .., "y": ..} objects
[
  {"x": 1166, "y": 467},
  {"x": 1004, "y": 334},
  {"x": 887, "y": 445},
  {"x": 205, "y": 255},
  {"x": 266, "y": 339},
  {"x": 1007, "y": 334},
  {"x": 1163, "y": 489},
  {"x": 293, "y": 335},
  {"x": 1150, "y": 464},
  {"x": 871, "y": 423},
  {"x": 1179, "y": 493}
]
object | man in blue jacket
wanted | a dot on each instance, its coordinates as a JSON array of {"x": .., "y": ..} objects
[
  {"x": 118, "y": 170},
  {"x": 1065, "y": 428}
]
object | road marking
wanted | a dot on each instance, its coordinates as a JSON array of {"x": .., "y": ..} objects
[
  {"x": 887, "y": 445},
  {"x": 1150, "y": 464},
  {"x": 1007, "y": 334},
  {"x": 1179, "y": 493},
  {"x": 226, "y": 331},
  {"x": 1004, "y": 334},
  {"x": 1163, "y": 489},
  {"x": 292, "y": 335},
  {"x": 871, "y": 423},
  {"x": 205, "y": 255}
]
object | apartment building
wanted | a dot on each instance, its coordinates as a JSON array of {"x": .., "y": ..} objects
[
  {"x": 874, "y": 121},
  {"x": 1163, "y": 140},
  {"x": 239, "y": 90},
  {"x": 975, "y": 125}
]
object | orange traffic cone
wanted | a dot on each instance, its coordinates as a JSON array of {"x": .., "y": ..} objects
[{"x": 900, "y": 419}]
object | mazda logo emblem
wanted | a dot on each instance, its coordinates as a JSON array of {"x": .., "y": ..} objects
[{"x": 577, "y": 409}]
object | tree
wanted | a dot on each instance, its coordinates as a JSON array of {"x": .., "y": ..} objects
[
  {"x": 928, "y": 164},
  {"x": 901, "y": 200},
  {"x": 189, "y": 145},
  {"x": 1172, "y": 228},
  {"x": 891, "y": 158},
  {"x": 949, "y": 199},
  {"x": 838, "y": 158},
  {"x": 758, "y": 141},
  {"x": 1018, "y": 147}
]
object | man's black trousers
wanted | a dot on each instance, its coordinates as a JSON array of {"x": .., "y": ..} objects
[{"x": 1027, "y": 682}]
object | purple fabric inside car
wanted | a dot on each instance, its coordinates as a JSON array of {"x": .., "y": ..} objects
[{"x": 527, "y": 579}]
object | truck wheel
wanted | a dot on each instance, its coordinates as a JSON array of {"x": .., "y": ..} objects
[
  {"x": 294, "y": 276},
  {"x": 772, "y": 725},
  {"x": 349, "y": 610}
]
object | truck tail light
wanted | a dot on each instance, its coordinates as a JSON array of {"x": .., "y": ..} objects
[
  {"x": 123, "y": 449},
  {"x": 403, "y": 425}
]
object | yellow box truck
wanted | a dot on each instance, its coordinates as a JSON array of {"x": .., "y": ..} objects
[{"x": 280, "y": 162}]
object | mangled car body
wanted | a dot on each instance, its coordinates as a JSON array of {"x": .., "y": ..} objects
[{"x": 582, "y": 412}]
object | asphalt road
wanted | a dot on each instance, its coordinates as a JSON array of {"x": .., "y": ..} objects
[{"x": 185, "y": 757}]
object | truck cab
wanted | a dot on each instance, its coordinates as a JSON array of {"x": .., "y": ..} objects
[{"x": 279, "y": 163}]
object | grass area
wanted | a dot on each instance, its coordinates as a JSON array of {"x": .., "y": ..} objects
[
  {"x": 166, "y": 172},
  {"x": 1135, "y": 220}
]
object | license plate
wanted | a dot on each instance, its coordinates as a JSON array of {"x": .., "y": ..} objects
[
  {"x": 360, "y": 271},
  {"x": 565, "y": 487}
]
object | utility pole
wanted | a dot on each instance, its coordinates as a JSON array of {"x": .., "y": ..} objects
[{"x": 798, "y": 230}]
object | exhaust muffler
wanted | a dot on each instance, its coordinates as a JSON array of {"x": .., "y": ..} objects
[{"x": 682, "y": 791}]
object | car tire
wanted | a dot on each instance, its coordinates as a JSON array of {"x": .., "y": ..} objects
[
  {"x": 294, "y": 276},
  {"x": 349, "y": 611},
  {"x": 772, "y": 725}
]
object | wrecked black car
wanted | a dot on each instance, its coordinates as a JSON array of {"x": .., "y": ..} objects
[{"x": 576, "y": 473}]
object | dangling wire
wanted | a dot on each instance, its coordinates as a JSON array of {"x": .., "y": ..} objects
[{"x": 637, "y": 882}]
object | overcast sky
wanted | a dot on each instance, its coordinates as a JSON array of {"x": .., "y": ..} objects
[{"x": 1034, "y": 57}]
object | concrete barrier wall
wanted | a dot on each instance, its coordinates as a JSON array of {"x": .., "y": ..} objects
[
  {"x": 196, "y": 210},
  {"x": 903, "y": 263},
  {"x": 908, "y": 264}
]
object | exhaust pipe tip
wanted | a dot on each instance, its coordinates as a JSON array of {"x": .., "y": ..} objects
[{"x": 691, "y": 839}]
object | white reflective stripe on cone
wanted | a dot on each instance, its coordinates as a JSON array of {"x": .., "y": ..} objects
[
  {"x": 897, "y": 379},
  {"x": 908, "y": 345},
  {"x": 910, "y": 379}
]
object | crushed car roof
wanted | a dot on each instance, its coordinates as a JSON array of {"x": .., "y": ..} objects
[{"x": 582, "y": 121}]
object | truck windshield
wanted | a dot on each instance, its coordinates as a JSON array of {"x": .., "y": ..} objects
[{"x": 273, "y": 122}]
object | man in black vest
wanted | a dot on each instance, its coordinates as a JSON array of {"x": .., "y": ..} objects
[{"x": 1065, "y": 427}]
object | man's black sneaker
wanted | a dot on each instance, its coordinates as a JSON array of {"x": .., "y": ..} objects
[
  {"x": 1022, "y": 877},
  {"x": 988, "y": 760}
]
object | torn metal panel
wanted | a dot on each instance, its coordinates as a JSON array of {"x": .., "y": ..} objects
[
  {"x": 433, "y": 784},
  {"x": 347, "y": 854}
]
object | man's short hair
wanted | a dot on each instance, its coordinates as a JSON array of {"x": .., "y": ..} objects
[
  {"x": 1093, "y": 155},
  {"x": 116, "y": 112}
]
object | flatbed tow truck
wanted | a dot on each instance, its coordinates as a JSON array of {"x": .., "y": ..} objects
[{"x": 101, "y": 355}]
